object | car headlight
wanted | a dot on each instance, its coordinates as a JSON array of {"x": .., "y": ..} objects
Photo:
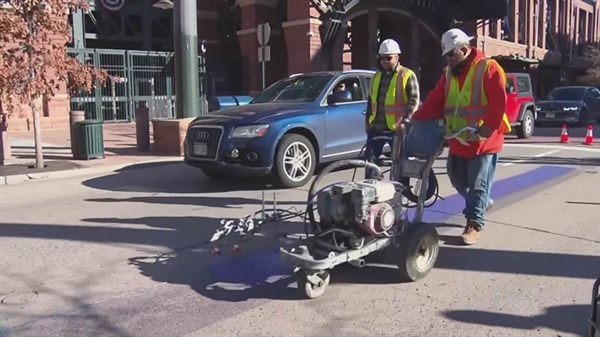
[
  {"x": 572, "y": 108},
  {"x": 537, "y": 108},
  {"x": 250, "y": 131}
]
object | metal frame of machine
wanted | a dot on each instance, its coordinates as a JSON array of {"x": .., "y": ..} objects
[
  {"x": 595, "y": 314},
  {"x": 372, "y": 204}
]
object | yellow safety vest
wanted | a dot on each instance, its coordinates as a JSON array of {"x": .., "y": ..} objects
[
  {"x": 395, "y": 98},
  {"x": 468, "y": 106}
]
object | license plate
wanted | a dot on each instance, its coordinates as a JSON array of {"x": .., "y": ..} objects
[
  {"x": 549, "y": 115},
  {"x": 200, "y": 149}
]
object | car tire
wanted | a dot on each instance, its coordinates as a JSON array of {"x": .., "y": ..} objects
[
  {"x": 214, "y": 174},
  {"x": 525, "y": 130},
  {"x": 294, "y": 147},
  {"x": 583, "y": 117}
]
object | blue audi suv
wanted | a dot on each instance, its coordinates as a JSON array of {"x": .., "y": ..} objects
[{"x": 286, "y": 130}]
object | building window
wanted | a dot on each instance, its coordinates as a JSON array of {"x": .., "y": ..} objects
[
  {"x": 507, "y": 23},
  {"x": 581, "y": 33},
  {"x": 590, "y": 31},
  {"x": 540, "y": 15},
  {"x": 551, "y": 33},
  {"x": 493, "y": 28},
  {"x": 561, "y": 23},
  {"x": 522, "y": 22}
]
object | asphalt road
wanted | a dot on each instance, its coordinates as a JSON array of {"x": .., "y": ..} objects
[{"x": 126, "y": 254}]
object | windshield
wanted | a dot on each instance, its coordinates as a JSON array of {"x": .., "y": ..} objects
[
  {"x": 566, "y": 94},
  {"x": 305, "y": 88}
]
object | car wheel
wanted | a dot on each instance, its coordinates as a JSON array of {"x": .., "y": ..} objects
[
  {"x": 295, "y": 161},
  {"x": 583, "y": 117},
  {"x": 214, "y": 174},
  {"x": 525, "y": 130}
]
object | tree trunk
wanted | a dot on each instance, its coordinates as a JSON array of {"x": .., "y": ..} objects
[{"x": 36, "y": 107}]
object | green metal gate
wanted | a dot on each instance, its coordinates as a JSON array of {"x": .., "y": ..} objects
[{"x": 136, "y": 79}]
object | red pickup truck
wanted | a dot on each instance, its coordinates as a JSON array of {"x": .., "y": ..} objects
[{"x": 520, "y": 105}]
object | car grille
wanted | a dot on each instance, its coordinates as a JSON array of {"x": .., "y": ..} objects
[{"x": 205, "y": 139}]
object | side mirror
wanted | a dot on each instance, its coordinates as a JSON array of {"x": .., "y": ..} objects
[{"x": 339, "y": 96}]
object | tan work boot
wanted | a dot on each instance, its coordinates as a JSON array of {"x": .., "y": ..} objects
[{"x": 471, "y": 233}]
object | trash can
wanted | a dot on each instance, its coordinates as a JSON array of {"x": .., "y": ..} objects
[{"x": 90, "y": 139}]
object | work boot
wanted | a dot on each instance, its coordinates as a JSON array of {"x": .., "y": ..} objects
[{"x": 471, "y": 233}]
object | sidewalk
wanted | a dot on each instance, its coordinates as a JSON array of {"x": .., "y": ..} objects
[{"x": 119, "y": 146}]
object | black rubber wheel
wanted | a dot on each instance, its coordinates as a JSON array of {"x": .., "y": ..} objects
[
  {"x": 583, "y": 117},
  {"x": 286, "y": 159},
  {"x": 431, "y": 188},
  {"x": 525, "y": 130},
  {"x": 309, "y": 290},
  {"x": 418, "y": 249},
  {"x": 215, "y": 174}
]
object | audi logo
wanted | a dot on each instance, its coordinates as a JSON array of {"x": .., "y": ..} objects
[{"x": 201, "y": 135}]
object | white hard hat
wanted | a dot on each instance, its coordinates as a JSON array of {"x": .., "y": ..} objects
[
  {"x": 454, "y": 38},
  {"x": 389, "y": 47}
]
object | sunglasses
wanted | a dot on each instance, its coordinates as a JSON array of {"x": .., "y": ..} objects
[
  {"x": 451, "y": 53},
  {"x": 385, "y": 58}
]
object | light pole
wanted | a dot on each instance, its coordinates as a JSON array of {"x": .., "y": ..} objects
[{"x": 185, "y": 31}]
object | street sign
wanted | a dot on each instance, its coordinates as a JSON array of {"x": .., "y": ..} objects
[
  {"x": 263, "y": 33},
  {"x": 264, "y": 54}
]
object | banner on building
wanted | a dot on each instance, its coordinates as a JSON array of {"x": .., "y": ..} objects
[{"x": 113, "y": 5}]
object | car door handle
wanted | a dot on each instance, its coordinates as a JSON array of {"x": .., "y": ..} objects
[{"x": 364, "y": 112}]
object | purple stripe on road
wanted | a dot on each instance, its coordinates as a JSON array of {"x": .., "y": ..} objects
[
  {"x": 453, "y": 205},
  {"x": 254, "y": 269}
]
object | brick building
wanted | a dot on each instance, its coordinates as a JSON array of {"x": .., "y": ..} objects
[{"x": 544, "y": 37}]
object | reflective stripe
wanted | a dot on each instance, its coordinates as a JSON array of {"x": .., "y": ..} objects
[
  {"x": 395, "y": 99},
  {"x": 400, "y": 87},
  {"x": 461, "y": 110},
  {"x": 464, "y": 111},
  {"x": 478, "y": 82},
  {"x": 447, "y": 80}
]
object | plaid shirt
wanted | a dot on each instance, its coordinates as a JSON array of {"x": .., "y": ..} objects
[{"x": 412, "y": 93}]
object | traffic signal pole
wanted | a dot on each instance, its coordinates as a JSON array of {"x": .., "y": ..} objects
[{"x": 187, "y": 88}]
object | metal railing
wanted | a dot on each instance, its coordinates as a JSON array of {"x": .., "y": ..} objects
[{"x": 136, "y": 79}]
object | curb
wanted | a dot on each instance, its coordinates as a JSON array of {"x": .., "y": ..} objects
[{"x": 21, "y": 178}]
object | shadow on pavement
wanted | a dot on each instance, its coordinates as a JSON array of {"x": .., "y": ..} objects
[
  {"x": 589, "y": 161},
  {"x": 204, "y": 201},
  {"x": 583, "y": 203},
  {"x": 468, "y": 259},
  {"x": 258, "y": 271},
  {"x": 571, "y": 319},
  {"x": 170, "y": 177}
]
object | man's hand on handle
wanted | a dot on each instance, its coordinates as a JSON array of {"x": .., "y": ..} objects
[{"x": 485, "y": 131}]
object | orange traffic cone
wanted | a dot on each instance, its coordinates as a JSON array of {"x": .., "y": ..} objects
[
  {"x": 589, "y": 136},
  {"x": 564, "y": 135}
]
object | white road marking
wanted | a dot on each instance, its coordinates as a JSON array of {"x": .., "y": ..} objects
[
  {"x": 538, "y": 155},
  {"x": 557, "y": 147}
]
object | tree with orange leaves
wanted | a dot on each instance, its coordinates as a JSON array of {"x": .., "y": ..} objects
[{"x": 34, "y": 60}]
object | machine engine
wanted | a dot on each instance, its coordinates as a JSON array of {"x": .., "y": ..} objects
[{"x": 373, "y": 207}]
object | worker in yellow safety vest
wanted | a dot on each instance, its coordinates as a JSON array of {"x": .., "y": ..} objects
[
  {"x": 393, "y": 98},
  {"x": 470, "y": 92}
]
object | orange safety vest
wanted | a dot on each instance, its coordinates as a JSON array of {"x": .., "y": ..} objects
[
  {"x": 468, "y": 106},
  {"x": 396, "y": 98}
]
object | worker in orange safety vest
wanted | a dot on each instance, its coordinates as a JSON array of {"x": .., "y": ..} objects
[{"x": 470, "y": 92}]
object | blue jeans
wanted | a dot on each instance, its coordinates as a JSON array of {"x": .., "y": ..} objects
[
  {"x": 374, "y": 148},
  {"x": 473, "y": 178}
]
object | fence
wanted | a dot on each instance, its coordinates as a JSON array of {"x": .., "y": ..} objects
[{"x": 137, "y": 79}]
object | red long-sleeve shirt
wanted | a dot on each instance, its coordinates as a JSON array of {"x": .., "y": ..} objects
[{"x": 494, "y": 85}]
